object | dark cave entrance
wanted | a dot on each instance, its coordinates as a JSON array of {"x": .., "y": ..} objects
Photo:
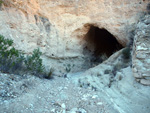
[{"x": 100, "y": 43}]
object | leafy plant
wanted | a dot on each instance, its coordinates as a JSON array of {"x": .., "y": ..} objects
[
  {"x": 68, "y": 67},
  {"x": 14, "y": 61},
  {"x": 49, "y": 75},
  {"x": 34, "y": 62},
  {"x": 1, "y": 2},
  {"x": 9, "y": 55}
]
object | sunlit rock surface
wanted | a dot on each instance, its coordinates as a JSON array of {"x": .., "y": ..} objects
[{"x": 58, "y": 27}]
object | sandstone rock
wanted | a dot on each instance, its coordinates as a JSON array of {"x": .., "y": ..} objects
[
  {"x": 145, "y": 82},
  {"x": 137, "y": 75},
  {"x": 58, "y": 28},
  {"x": 141, "y": 52}
]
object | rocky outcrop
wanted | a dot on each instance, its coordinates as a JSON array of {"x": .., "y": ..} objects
[
  {"x": 58, "y": 28},
  {"x": 117, "y": 85},
  {"x": 141, "y": 51}
]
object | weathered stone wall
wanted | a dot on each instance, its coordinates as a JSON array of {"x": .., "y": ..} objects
[
  {"x": 58, "y": 27},
  {"x": 141, "y": 51}
]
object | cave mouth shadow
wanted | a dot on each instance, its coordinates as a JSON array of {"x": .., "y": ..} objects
[{"x": 100, "y": 42}]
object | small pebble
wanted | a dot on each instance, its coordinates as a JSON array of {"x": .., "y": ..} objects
[
  {"x": 63, "y": 106},
  {"x": 95, "y": 96},
  {"x": 99, "y": 103}
]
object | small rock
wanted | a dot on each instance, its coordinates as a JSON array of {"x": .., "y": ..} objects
[
  {"x": 99, "y": 103},
  {"x": 77, "y": 110},
  {"x": 65, "y": 75},
  {"x": 137, "y": 75},
  {"x": 138, "y": 80},
  {"x": 148, "y": 61},
  {"x": 39, "y": 97},
  {"x": 85, "y": 97},
  {"x": 65, "y": 88},
  {"x": 146, "y": 75},
  {"x": 134, "y": 70},
  {"x": 147, "y": 21},
  {"x": 145, "y": 82},
  {"x": 64, "y": 111},
  {"x": 95, "y": 96},
  {"x": 31, "y": 105},
  {"x": 147, "y": 78},
  {"x": 139, "y": 48},
  {"x": 63, "y": 106},
  {"x": 53, "y": 110},
  {"x": 141, "y": 56},
  {"x": 57, "y": 104}
]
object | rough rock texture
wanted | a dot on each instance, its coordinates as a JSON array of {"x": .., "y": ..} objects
[
  {"x": 141, "y": 51},
  {"x": 30, "y": 94},
  {"x": 107, "y": 88},
  {"x": 59, "y": 27},
  {"x": 114, "y": 81}
]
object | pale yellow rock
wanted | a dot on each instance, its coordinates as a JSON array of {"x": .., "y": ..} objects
[{"x": 58, "y": 27}]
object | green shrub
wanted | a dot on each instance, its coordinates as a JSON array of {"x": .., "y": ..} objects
[
  {"x": 49, "y": 75},
  {"x": 1, "y": 2},
  {"x": 14, "y": 61},
  {"x": 10, "y": 58},
  {"x": 34, "y": 62},
  {"x": 126, "y": 53},
  {"x": 68, "y": 67},
  {"x": 107, "y": 71}
]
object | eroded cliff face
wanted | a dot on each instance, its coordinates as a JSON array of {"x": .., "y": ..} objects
[{"x": 59, "y": 27}]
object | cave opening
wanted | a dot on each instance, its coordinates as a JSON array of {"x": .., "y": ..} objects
[{"x": 100, "y": 43}]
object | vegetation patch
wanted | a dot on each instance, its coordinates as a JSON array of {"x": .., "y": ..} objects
[
  {"x": 68, "y": 67},
  {"x": 107, "y": 71},
  {"x": 1, "y": 2},
  {"x": 126, "y": 53},
  {"x": 14, "y": 61}
]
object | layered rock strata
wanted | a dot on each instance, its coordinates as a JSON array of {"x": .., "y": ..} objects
[
  {"x": 141, "y": 51},
  {"x": 58, "y": 27}
]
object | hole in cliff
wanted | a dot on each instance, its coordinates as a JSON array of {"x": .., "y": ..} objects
[{"x": 100, "y": 44}]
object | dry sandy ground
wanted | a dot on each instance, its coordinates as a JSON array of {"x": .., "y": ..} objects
[
  {"x": 30, "y": 94},
  {"x": 74, "y": 93}
]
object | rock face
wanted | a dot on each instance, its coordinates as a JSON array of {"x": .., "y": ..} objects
[
  {"x": 58, "y": 27},
  {"x": 64, "y": 31},
  {"x": 141, "y": 51}
]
